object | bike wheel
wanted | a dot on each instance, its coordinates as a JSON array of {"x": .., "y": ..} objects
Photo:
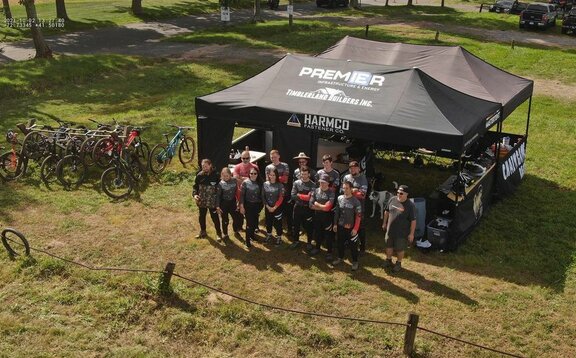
[
  {"x": 71, "y": 171},
  {"x": 102, "y": 154},
  {"x": 158, "y": 158},
  {"x": 186, "y": 151},
  {"x": 86, "y": 150},
  {"x": 48, "y": 169},
  {"x": 12, "y": 166},
  {"x": 116, "y": 183},
  {"x": 33, "y": 146},
  {"x": 22, "y": 246}
]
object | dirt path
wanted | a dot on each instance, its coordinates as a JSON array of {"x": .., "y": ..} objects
[{"x": 145, "y": 39}]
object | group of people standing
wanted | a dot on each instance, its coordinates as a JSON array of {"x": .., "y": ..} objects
[{"x": 329, "y": 212}]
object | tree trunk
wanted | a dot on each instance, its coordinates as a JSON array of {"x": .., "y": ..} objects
[
  {"x": 7, "y": 11},
  {"x": 354, "y": 4},
  {"x": 409, "y": 3},
  {"x": 137, "y": 7},
  {"x": 257, "y": 12},
  {"x": 61, "y": 10},
  {"x": 42, "y": 49},
  {"x": 386, "y": 3},
  {"x": 442, "y": 4}
]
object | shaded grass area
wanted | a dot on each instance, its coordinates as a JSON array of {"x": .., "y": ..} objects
[
  {"x": 90, "y": 14},
  {"x": 310, "y": 36},
  {"x": 511, "y": 286}
]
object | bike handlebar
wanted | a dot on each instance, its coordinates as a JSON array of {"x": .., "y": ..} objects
[{"x": 180, "y": 127}]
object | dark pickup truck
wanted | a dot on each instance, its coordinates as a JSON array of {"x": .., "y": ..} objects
[
  {"x": 538, "y": 15},
  {"x": 508, "y": 7},
  {"x": 569, "y": 22}
]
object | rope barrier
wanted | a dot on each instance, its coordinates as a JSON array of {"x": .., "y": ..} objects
[
  {"x": 290, "y": 310},
  {"x": 265, "y": 305}
]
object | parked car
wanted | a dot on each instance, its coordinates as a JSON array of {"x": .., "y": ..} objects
[
  {"x": 508, "y": 7},
  {"x": 569, "y": 22},
  {"x": 538, "y": 15},
  {"x": 332, "y": 3}
]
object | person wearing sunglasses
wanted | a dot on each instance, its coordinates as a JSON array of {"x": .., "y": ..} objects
[
  {"x": 205, "y": 192},
  {"x": 347, "y": 219},
  {"x": 241, "y": 172},
  {"x": 399, "y": 226},
  {"x": 359, "y": 190},
  {"x": 251, "y": 204},
  {"x": 303, "y": 160},
  {"x": 273, "y": 196}
]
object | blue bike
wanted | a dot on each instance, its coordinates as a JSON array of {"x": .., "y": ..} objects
[{"x": 161, "y": 155}]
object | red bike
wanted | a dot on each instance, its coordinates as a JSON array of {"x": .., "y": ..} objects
[{"x": 12, "y": 164}]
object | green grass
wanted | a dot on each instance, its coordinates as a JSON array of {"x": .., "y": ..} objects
[
  {"x": 511, "y": 286},
  {"x": 314, "y": 36},
  {"x": 90, "y": 14}
]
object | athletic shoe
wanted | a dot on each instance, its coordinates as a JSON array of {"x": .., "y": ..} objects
[
  {"x": 219, "y": 238},
  {"x": 247, "y": 244},
  {"x": 397, "y": 266},
  {"x": 336, "y": 262},
  {"x": 329, "y": 257},
  {"x": 309, "y": 247},
  {"x": 268, "y": 237},
  {"x": 226, "y": 237},
  {"x": 388, "y": 263},
  {"x": 354, "y": 266},
  {"x": 314, "y": 252},
  {"x": 278, "y": 240},
  {"x": 201, "y": 235}
]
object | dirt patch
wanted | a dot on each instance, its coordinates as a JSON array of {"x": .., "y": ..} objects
[{"x": 231, "y": 54}]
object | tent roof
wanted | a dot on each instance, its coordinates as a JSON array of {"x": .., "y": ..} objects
[
  {"x": 382, "y": 103},
  {"x": 452, "y": 65}
]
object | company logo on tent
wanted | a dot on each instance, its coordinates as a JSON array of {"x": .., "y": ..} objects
[
  {"x": 293, "y": 121},
  {"x": 330, "y": 95},
  {"x": 360, "y": 78}
]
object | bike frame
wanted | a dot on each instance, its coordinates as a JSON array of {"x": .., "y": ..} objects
[{"x": 171, "y": 149}]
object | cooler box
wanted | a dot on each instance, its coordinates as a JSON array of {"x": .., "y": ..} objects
[
  {"x": 420, "y": 204},
  {"x": 437, "y": 232}
]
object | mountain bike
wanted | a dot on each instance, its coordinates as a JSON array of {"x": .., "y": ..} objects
[
  {"x": 12, "y": 164},
  {"x": 161, "y": 155},
  {"x": 119, "y": 180}
]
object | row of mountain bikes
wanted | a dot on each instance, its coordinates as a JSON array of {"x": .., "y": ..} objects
[{"x": 66, "y": 153}]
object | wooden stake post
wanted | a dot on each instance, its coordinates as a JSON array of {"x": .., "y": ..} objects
[{"x": 410, "y": 334}]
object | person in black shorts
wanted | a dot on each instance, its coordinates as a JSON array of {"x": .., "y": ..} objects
[{"x": 399, "y": 226}]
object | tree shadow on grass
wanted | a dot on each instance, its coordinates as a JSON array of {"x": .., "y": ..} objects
[
  {"x": 527, "y": 238},
  {"x": 12, "y": 196},
  {"x": 180, "y": 9}
]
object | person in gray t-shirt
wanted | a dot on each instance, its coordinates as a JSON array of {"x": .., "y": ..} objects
[{"x": 399, "y": 226}]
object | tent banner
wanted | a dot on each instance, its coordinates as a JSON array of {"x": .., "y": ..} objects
[
  {"x": 471, "y": 209},
  {"x": 511, "y": 169}
]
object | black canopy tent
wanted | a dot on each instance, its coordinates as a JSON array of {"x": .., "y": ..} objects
[
  {"x": 299, "y": 97},
  {"x": 454, "y": 66}
]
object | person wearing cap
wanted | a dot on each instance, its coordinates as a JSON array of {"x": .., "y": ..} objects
[
  {"x": 347, "y": 219},
  {"x": 272, "y": 197},
  {"x": 251, "y": 204},
  {"x": 241, "y": 172},
  {"x": 399, "y": 226},
  {"x": 284, "y": 178},
  {"x": 332, "y": 173},
  {"x": 300, "y": 194},
  {"x": 303, "y": 161},
  {"x": 205, "y": 193},
  {"x": 322, "y": 202},
  {"x": 359, "y": 190}
]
